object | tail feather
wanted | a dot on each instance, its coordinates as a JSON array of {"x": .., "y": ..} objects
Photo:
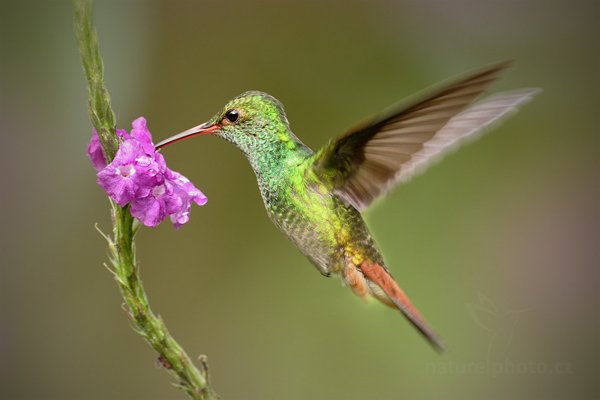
[{"x": 377, "y": 274}]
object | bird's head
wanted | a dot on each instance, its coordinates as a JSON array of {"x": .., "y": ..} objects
[{"x": 254, "y": 121}]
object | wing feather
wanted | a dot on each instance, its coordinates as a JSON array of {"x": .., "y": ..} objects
[
  {"x": 367, "y": 161},
  {"x": 462, "y": 128}
]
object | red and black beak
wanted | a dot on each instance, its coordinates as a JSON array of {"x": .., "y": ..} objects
[{"x": 202, "y": 129}]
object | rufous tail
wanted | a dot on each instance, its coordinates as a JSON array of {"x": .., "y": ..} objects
[{"x": 377, "y": 274}]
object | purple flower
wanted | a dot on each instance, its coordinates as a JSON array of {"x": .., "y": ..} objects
[{"x": 139, "y": 176}]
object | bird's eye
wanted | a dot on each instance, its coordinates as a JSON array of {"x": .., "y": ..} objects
[{"x": 232, "y": 115}]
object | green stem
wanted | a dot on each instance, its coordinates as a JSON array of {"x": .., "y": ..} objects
[{"x": 121, "y": 246}]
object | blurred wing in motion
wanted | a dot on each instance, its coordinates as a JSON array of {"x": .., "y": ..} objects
[{"x": 367, "y": 161}]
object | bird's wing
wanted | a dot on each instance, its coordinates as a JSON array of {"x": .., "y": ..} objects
[{"x": 391, "y": 148}]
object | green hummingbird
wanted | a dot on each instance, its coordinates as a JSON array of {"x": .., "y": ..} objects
[{"x": 316, "y": 198}]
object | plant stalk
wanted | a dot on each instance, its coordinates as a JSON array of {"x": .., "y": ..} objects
[{"x": 171, "y": 355}]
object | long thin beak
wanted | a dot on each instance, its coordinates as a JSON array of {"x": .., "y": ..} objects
[{"x": 202, "y": 129}]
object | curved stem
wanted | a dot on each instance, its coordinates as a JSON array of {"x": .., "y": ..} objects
[
  {"x": 147, "y": 324},
  {"x": 121, "y": 245}
]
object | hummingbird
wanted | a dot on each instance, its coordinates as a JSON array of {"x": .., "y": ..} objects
[{"x": 316, "y": 197}]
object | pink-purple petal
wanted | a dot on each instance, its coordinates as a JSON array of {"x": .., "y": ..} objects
[
  {"x": 140, "y": 131},
  {"x": 94, "y": 152},
  {"x": 118, "y": 187},
  {"x": 180, "y": 218},
  {"x": 173, "y": 204},
  {"x": 148, "y": 210}
]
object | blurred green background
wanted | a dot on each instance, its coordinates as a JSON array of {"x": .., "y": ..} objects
[{"x": 497, "y": 245}]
